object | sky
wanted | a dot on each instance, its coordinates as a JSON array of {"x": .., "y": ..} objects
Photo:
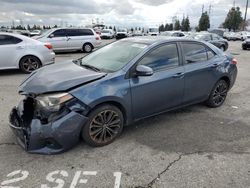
[{"x": 121, "y": 13}]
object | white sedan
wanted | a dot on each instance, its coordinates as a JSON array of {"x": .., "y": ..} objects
[{"x": 21, "y": 52}]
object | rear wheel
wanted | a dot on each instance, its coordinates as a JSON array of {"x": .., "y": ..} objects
[
  {"x": 105, "y": 124},
  {"x": 87, "y": 48},
  {"x": 218, "y": 94},
  {"x": 29, "y": 63}
]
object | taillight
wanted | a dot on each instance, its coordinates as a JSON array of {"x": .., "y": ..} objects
[
  {"x": 49, "y": 46},
  {"x": 234, "y": 61},
  {"x": 97, "y": 38}
]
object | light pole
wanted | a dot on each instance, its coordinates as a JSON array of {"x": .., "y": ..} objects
[{"x": 245, "y": 18}]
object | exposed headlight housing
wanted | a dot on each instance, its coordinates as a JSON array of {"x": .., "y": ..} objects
[{"x": 53, "y": 102}]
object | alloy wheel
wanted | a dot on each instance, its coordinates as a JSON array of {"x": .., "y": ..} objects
[
  {"x": 220, "y": 93},
  {"x": 105, "y": 126},
  {"x": 30, "y": 65}
]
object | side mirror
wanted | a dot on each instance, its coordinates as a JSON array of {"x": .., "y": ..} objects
[
  {"x": 51, "y": 35},
  {"x": 142, "y": 70}
]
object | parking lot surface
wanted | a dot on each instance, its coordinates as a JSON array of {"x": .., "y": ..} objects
[{"x": 191, "y": 147}]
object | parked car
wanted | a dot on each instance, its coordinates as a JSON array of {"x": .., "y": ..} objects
[
  {"x": 107, "y": 34},
  {"x": 137, "y": 33},
  {"x": 246, "y": 44},
  {"x": 35, "y": 33},
  {"x": 173, "y": 33},
  {"x": 153, "y": 31},
  {"x": 244, "y": 35},
  {"x": 71, "y": 39},
  {"x": 230, "y": 36},
  {"x": 121, "y": 33},
  {"x": 21, "y": 52},
  {"x": 213, "y": 39},
  {"x": 131, "y": 79}
]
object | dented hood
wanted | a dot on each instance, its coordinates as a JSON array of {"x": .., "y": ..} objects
[{"x": 58, "y": 77}]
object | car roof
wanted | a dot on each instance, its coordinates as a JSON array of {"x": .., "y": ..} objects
[{"x": 157, "y": 39}]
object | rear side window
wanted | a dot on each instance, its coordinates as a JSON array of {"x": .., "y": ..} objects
[
  {"x": 59, "y": 33},
  {"x": 162, "y": 57},
  {"x": 194, "y": 52},
  {"x": 6, "y": 39},
  {"x": 210, "y": 54},
  {"x": 79, "y": 32},
  {"x": 86, "y": 32}
]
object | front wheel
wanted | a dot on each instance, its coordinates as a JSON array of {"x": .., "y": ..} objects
[
  {"x": 218, "y": 94},
  {"x": 105, "y": 124}
]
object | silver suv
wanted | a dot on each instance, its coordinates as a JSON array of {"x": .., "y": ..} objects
[{"x": 71, "y": 39}]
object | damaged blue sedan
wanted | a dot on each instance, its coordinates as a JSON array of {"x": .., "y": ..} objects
[{"x": 95, "y": 96}]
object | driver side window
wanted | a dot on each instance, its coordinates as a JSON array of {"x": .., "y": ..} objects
[
  {"x": 59, "y": 33},
  {"x": 162, "y": 57}
]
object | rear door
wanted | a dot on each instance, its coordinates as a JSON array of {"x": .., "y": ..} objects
[
  {"x": 200, "y": 64},
  {"x": 59, "y": 40},
  {"x": 164, "y": 89},
  {"x": 10, "y": 50}
]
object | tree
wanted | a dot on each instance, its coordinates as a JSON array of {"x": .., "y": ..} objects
[
  {"x": 166, "y": 28},
  {"x": 110, "y": 27},
  {"x": 187, "y": 24},
  {"x": 177, "y": 25},
  {"x": 171, "y": 27},
  {"x": 114, "y": 29},
  {"x": 204, "y": 22},
  {"x": 183, "y": 24},
  {"x": 132, "y": 29},
  {"x": 161, "y": 28},
  {"x": 233, "y": 20}
]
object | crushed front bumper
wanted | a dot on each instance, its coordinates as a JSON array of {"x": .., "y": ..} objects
[{"x": 46, "y": 138}]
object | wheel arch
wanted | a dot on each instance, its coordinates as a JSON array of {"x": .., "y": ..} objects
[
  {"x": 226, "y": 79},
  {"x": 116, "y": 104},
  {"x": 87, "y": 43}
]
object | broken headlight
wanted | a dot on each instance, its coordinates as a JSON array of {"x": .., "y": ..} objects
[{"x": 53, "y": 102}]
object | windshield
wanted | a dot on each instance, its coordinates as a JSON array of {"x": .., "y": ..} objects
[
  {"x": 201, "y": 37},
  {"x": 45, "y": 32},
  {"x": 153, "y": 29},
  {"x": 105, "y": 31},
  {"x": 122, "y": 30},
  {"x": 113, "y": 57}
]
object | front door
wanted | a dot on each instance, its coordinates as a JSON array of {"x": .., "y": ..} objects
[
  {"x": 164, "y": 89},
  {"x": 59, "y": 40}
]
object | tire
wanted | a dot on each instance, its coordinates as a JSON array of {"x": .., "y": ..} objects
[
  {"x": 87, "y": 48},
  {"x": 104, "y": 125},
  {"x": 218, "y": 94},
  {"x": 29, "y": 63}
]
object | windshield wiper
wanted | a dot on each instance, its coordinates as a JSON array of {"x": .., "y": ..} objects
[{"x": 91, "y": 67}]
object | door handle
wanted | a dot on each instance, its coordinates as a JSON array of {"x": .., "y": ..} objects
[
  {"x": 68, "y": 39},
  {"x": 178, "y": 75}
]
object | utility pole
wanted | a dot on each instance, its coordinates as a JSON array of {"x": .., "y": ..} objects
[
  {"x": 210, "y": 9},
  {"x": 245, "y": 18},
  {"x": 234, "y": 3},
  {"x": 202, "y": 9}
]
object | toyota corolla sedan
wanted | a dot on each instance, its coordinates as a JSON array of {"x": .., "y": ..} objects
[{"x": 96, "y": 96}]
